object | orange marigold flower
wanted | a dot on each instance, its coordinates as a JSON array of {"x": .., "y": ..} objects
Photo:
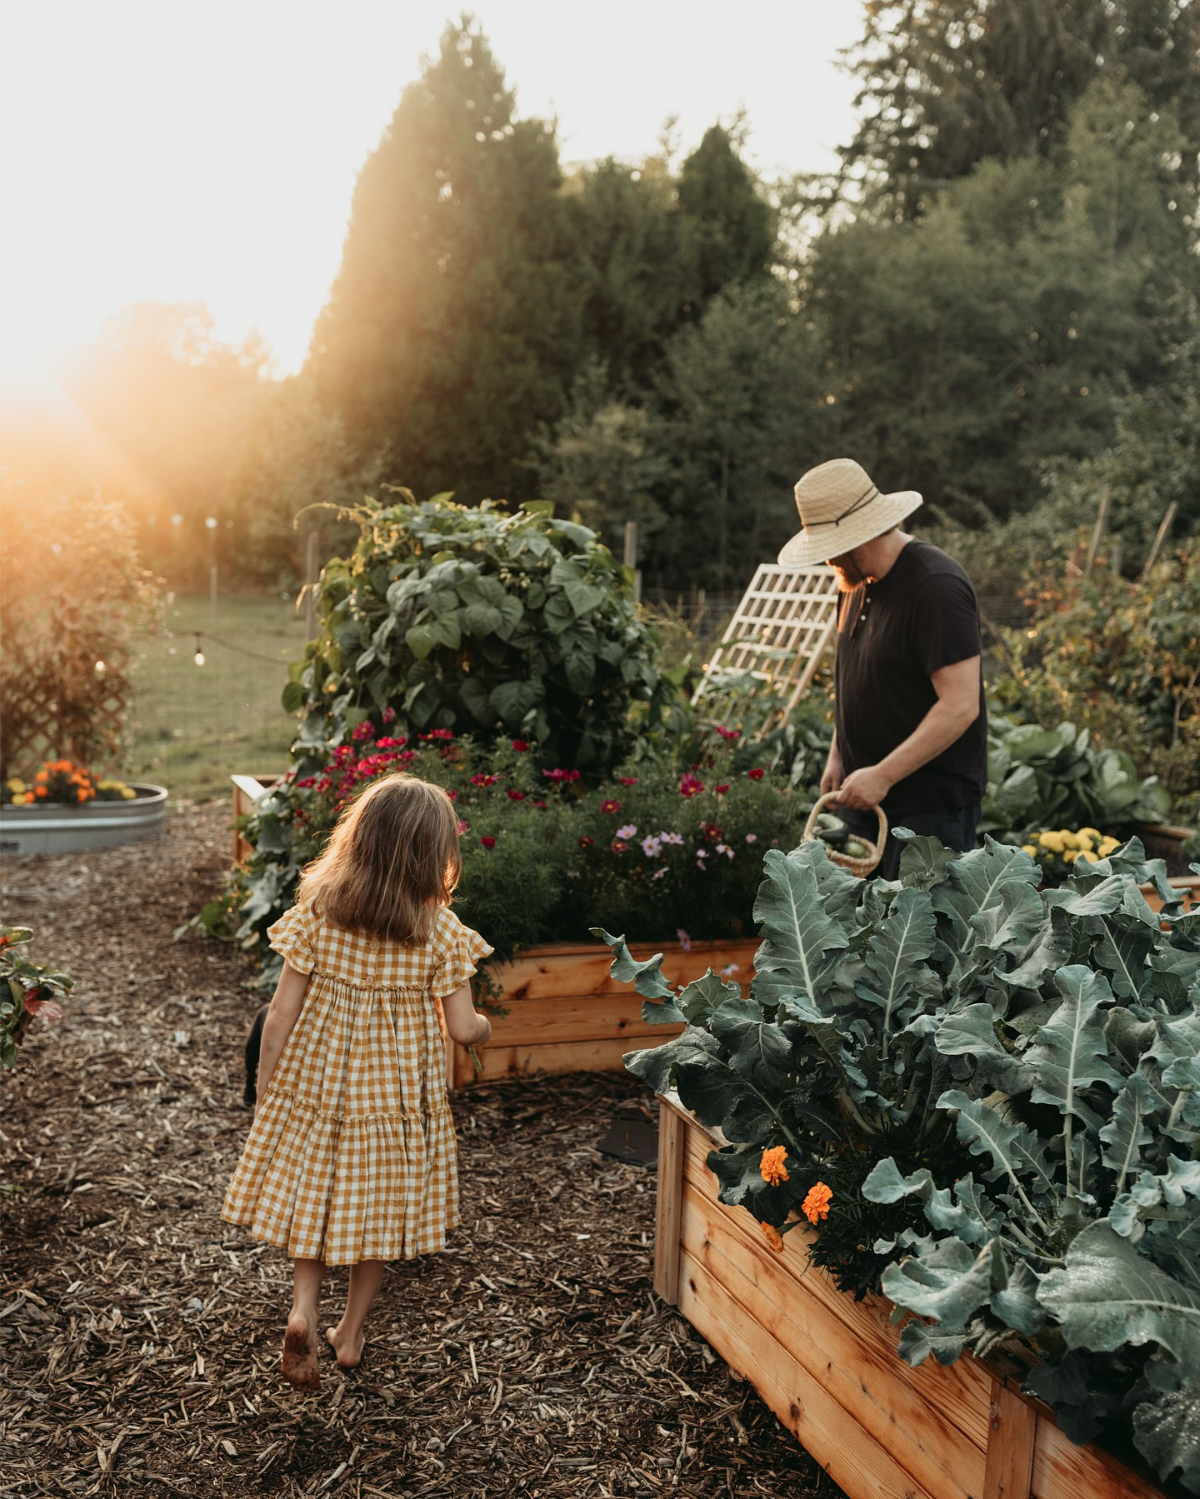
[
  {"x": 772, "y": 1166},
  {"x": 816, "y": 1204},
  {"x": 773, "y": 1237}
]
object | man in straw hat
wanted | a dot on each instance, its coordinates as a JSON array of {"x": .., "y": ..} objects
[{"x": 911, "y": 725}]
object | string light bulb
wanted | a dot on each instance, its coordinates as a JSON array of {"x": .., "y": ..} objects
[
  {"x": 198, "y": 658},
  {"x": 100, "y": 668}
]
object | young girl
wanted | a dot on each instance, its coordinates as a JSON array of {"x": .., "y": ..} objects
[{"x": 351, "y": 1156}]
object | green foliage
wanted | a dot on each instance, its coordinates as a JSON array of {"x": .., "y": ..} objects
[
  {"x": 73, "y": 598},
  {"x": 26, "y": 990},
  {"x": 1023, "y": 1065},
  {"x": 478, "y": 620},
  {"x": 944, "y": 86},
  {"x": 1123, "y": 658},
  {"x": 1041, "y": 778},
  {"x": 657, "y": 850}
]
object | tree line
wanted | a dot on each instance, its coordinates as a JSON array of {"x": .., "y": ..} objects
[{"x": 993, "y": 300}]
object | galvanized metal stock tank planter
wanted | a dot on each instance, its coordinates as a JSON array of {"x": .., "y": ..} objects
[{"x": 57, "y": 828}]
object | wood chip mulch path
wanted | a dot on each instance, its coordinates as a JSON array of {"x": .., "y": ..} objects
[{"x": 141, "y": 1335}]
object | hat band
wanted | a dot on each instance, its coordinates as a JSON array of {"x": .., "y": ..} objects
[{"x": 859, "y": 504}]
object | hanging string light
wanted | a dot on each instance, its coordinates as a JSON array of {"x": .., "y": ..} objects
[{"x": 198, "y": 658}]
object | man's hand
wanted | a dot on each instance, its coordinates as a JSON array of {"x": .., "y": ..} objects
[{"x": 864, "y": 789}]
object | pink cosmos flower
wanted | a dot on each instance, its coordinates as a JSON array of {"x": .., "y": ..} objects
[
  {"x": 363, "y": 730},
  {"x": 561, "y": 775},
  {"x": 610, "y": 806},
  {"x": 751, "y": 837},
  {"x": 689, "y": 784},
  {"x": 520, "y": 745},
  {"x": 463, "y": 827},
  {"x": 628, "y": 831},
  {"x": 618, "y": 847},
  {"x": 438, "y": 734},
  {"x": 386, "y": 742},
  {"x": 721, "y": 790},
  {"x": 683, "y": 939},
  {"x": 516, "y": 796},
  {"x": 627, "y": 780},
  {"x": 389, "y": 714},
  {"x": 482, "y": 780}
]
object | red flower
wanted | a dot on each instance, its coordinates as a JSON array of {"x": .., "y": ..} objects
[
  {"x": 610, "y": 806},
  {"x": 363, "y": 730},
  {"x": 462, "y": 827},
  {"x": 389, "y": 714},
  {"x": 438, "y": 734},
  {"x": 617, "y": 846},
  {"x": 453, "y": 795},
  {"x": 586, "y": 842},
  {"x": 520, "y": 745},
  {"x": 488, "y": 842},
  {"x": 757, "y": 773},
  {"x": 627, "y": 780},
  {"x": 482, "y": 780},
  {"x": 721, "y": 790},
  {"x": 561, "y": 775},
  {"x": 711, "y": 831},
  {"x": 516, "y": 796},
  {"x": 538, "y": 802},
  {"x": 728, "y": 733},
  {"x": 689, "y": 784},
  {"x": 388, "y": 743}
]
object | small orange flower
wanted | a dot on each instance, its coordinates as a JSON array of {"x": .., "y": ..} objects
[
  {"x": 816, "y": 1204},
  {"x": 773, "y": 1237},
  {"x": 772, "y": 1167}
]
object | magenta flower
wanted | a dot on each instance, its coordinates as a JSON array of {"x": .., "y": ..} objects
[
  {"x": 482, "y": 780},
  {"x": 516, "y": 796},
  {"x": 610, "y": 806},
  {"x": 728, "y": 733},
  {"x": 628, "y": 831},
  {"x": 683, "y": 939},
  {"x": 689, "y": 784},
  {"x": 757, "y": 773},
  {"x": 389, "y": 714},
  {"x": 488, "y": 842}
]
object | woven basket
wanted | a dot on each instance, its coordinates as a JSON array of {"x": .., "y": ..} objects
[{"x": 861, "y": 867}]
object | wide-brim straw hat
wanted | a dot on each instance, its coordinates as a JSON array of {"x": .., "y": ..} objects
[{"x": 840, "y": 509}]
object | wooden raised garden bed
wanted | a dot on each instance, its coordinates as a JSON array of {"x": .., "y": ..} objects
[
  {"x": 566, "y": 1014},
  {"x": 828, "y": 1366}
]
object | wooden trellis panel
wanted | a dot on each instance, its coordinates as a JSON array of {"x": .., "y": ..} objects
[{"x": 783, "y": 626}]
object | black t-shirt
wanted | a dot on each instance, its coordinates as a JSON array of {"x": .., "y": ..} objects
[{"x": 892, "y": 636}]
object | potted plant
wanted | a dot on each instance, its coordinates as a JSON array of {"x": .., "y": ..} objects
[{"x": 66, "y": 808}]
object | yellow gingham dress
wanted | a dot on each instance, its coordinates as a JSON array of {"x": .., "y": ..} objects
[{"x": 352, "y": 1156}]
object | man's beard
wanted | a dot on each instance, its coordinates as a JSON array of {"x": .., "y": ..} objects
[{"x": 849, "y": 576}]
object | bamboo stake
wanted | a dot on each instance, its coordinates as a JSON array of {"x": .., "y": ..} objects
[
  {"x": 1098, "y": 530},
  {"x": 1163, "y": 532}
]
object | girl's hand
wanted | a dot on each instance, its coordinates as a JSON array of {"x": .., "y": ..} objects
[{"x": 464, "y": 1023}]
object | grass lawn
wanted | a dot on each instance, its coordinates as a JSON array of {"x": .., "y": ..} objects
[{"x": 195, "y": 726}]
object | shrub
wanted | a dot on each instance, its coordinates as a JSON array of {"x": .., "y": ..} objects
[
  {"x": 479, "y": 621},
  {"x": 26, "y": 990},
  {"x": 656, "y": 849},
  {"x": 1123, "y": 661},
  {"x": 72, "y": 598},
  {"x": 1037, "y": 776},
  {"x": 987, "y": 1100}
]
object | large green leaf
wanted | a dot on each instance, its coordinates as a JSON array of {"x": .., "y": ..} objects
[
  {"x": 1107, "y": 1295},
  {"x": 758, "y": 1049},
  {"x": 1167, "y": 1433},
  {"x": 899, "y": 946},
  {"x": 796, "y": 932},
  {"x": 1127, "y": 1132},
  {"x": 646, "y": 977},
  {"x": 1071, "y": 1050},
  {"x": 1014, "y": 1149},
  {"x": 948, "y": 1283}
]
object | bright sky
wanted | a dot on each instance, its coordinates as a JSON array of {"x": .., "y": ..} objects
[{"x": 186, "y": 152}]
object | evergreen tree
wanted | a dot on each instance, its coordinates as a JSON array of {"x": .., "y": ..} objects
[
  {"x": 731, "y": 227},
  {"x": 451, "y": 329},
  {"x": 948, "y": 83}
]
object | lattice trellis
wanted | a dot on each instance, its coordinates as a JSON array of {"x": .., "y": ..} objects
[{"x": 783, "y": 626}]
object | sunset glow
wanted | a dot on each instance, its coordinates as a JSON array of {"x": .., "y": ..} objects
[{"x": 173, "y": 154}]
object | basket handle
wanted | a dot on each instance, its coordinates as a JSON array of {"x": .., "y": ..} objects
[{"x": 832, "y": 796}]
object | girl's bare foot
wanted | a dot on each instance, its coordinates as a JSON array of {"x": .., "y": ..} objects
[
  {"x": 349, "y": 1352},
  {"x": 299, "y": 1366}
]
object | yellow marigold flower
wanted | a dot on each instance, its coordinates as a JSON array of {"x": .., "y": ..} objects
[
  {"x": 128, "y": 793},
  {"x": 1107, "y": 846},
  {"x": 1070, "y": 840},
  {"x": 1070, "y": 856},
  {"x": 15, "y": 783},
  {"x": 816, "y": 1204},
  {"x": 773, "y": 1237},
  {"x": 1093, "y": 833},
  {"x": 1086, "y": 853},
  {"x": 1030, "y": 849},
  {"x": 1052, "y": 841},
  {"x": 772, "y": 1166}
]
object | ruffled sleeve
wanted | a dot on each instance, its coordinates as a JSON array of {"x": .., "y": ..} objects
[
  {"x": 291, "y": 938},
  {"x": 458, "y": 951}
]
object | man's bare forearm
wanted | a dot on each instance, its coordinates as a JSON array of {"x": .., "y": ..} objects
[{"x": 936, "y": 732}]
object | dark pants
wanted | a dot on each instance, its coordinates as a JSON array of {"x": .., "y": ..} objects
[{"x": 954, "y": 827}]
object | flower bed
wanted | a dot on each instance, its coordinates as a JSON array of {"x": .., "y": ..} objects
[
  {"x": 47, "y": 827},
  {"x": 557, "y": 1009}
]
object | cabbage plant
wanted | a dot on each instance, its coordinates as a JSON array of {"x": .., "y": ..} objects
[{"x": 986, "y": 1097}]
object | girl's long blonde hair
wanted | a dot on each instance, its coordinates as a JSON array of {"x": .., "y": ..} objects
[{"x": 392, "y": 861}]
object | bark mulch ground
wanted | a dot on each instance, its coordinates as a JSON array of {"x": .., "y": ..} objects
[{"x": 141, "y": 1334}]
